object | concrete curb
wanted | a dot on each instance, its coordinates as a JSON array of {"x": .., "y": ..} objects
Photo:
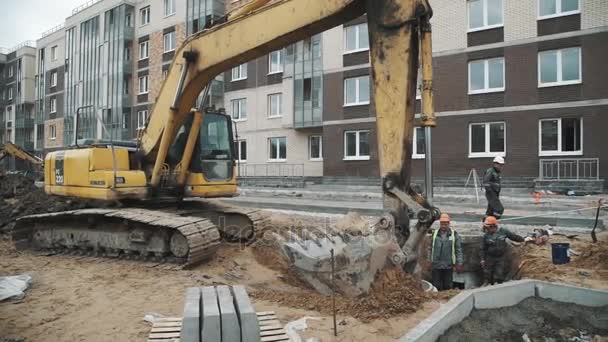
[{"x": 503, "y": 295}]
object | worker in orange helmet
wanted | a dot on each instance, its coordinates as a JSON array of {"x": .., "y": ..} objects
[
  {"x": 445, "y": 254},
  {"x": 493, "y": 248}
]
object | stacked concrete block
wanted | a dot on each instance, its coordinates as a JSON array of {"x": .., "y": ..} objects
[{"x": 219, "y": 314}]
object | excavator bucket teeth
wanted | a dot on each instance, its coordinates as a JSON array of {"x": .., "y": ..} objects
[{"x": 356, "y": 258}]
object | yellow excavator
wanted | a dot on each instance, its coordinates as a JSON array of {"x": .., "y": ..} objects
[
  {"x": 10, "y": 149},
  {"x": 189, "y": 152}
]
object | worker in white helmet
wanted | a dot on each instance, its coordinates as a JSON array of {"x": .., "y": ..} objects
[{"x": 491, "y": 183}]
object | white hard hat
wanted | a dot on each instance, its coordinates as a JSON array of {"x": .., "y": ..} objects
[{"x": 499, "y": 160}]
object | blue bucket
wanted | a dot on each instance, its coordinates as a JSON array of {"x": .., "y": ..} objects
[{"x": 559, "y": 253}]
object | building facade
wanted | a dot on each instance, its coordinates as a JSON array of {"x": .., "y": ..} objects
[
  {"x": 523, "y": 79},
  {"x": 17, "y": 91}
]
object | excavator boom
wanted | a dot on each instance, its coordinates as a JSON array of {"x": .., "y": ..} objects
[{"x": 17, "y": 152}]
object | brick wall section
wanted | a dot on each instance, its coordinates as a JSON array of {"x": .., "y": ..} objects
[
  {"x": 520, "y": 19},
  {"x": 594, "y": 13},
  {"x": 155, "y": 74},
  {"x": 449, "y": 25},
  {"x": 53, "y": 143}
]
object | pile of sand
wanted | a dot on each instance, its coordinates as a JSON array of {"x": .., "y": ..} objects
[{"x": 393, "y": 293}]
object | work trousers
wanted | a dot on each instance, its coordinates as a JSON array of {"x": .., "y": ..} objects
[
  {"x": 494, "y": 269},
  {"x": 442, "y": 278},
  {"x": 495, "y": 208}
]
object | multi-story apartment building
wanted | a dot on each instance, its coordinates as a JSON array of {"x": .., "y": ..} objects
[
  {"x": 17, "y": 92},
  {"x": 523, "y": 79}
]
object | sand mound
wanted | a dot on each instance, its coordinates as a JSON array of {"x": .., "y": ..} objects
[{"x": 393, "y": 293}]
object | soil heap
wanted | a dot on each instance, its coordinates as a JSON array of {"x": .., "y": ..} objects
[{"x": 19, "y": 197}]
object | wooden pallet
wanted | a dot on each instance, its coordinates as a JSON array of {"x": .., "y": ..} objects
[{"x": 168, "y": 329}]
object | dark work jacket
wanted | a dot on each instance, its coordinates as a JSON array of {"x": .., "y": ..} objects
[
  {"x": 491, "y": 181},
  {"x": 495, "y": 245}
]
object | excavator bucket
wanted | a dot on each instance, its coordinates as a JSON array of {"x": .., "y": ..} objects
[{"x": 353, "y": 258}]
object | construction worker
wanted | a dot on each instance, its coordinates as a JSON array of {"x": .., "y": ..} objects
[
  {"x": 491, "y": 183},
  {"x": 493, "y": 248},
  {"x": 445, "y": 254}
]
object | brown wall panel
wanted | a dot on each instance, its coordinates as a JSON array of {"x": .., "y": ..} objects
[
  {"x": 490, "y": 36},
  {"x": 559, "y": 25},
  {"x": 333, "y": 151}
]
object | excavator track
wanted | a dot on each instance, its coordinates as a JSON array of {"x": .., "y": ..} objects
[{"x": 132, "y": 232}]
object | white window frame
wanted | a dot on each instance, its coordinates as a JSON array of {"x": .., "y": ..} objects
[
  {"x": 242, "y": 105},
  {"x": 240, "y": 71},
  {"x": 279, "y": 107},
  {"x": 485, "y": 17},
  {"x": 415, "y": 145},
  {"x": 54, "y": 79},
  {"x": 487, "y": 153},
  {"x": 169, "y": 7},
  {"x": 142, "y": 119},
  {"x": 129, "y": 20},
  {"x": 357, "y": 35},
  {"x": 11, "y": 71},
  {"x": 357, "y": 102},
  {"x": 559, "y": 151},
  {"x": 139, "y": 84},
  {"x": 559, "y": 81},
  {"x": 144, "y": 16},
  {"x": 53, "y": 105},
  {"x": 10, "y": 93},
  {"x": 171, "y": 36},
  {"x": 52, "y": 132},
  {"x": 238, "y": 151},
  {"x": 486, "y": 77},
  {"x": 279, "y": 159},
  {"x": 54, "y": 52},
  {"x": 558, "y": 10},
  {"x": 280, "y": 70},
  {"x": 320, "y": 158},
  {"x": 357, "y": 155},
  {"x": 144, "y": 46}
]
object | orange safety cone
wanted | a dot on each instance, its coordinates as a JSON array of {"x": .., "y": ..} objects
[{"x": 537, "y": 197}]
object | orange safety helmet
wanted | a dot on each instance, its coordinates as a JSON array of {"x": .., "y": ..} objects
[
  {"x": 444, "y": 218},
  {"x": 490, "y": 221}
]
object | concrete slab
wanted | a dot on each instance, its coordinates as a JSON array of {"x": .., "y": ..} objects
[
  {"x": 571, "y": 294},
  {"x": 191, "y": 331},
  {"x": 507, "y": 294},
  {"x": 211, "y": 326},
  {"x": 231, "y": 330},
  {"x": 453, "y": 312},
  {"x": 250, "y": 328}
]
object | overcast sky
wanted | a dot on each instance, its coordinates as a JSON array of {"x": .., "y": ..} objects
[{"x": 26, "y": 19}]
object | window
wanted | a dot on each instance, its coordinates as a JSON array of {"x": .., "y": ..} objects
[
  {"x": 54, "y": 53},
  {"x": 557, "y": 8},
  {"x": 127, "y": 53},
  {"x": 143, "y": 84},
  {"x": 559, "y": 67},
  {"x": 356, "y": 145},
  {"x": 241, "y": 151},
  {"x": 165, "y": 73},
  {"x": 53, "y": 105},
  {"x": 356, "y": 38},
  {"x": 10, "y": 93},
  {"x": 126, "y": 120},
  {"x": 126, "y": 86},
  {"x": 356, "y": 91},
  {"x": 418, "y": 147},
  {"x": 142, "y": 119},
  {"x": 169, "y": 7},
  {"x": 487, "y": 139},
  {"x": 277, "y": 149},
  {"x": 560, "y": 136},
  {"x": 144, "y": 16},
  {"x": 484, "y": 14},
  {"x": 54, "y": 79},
  {"x": 169, "y": 41},
  {"x": 487, "y": 76},
  {"x": 128, "y": 20},
  {"x": 239, "y": 72},
  {"x": 275, "y": 62},
  {"x": 239, "y": 109},
  {"x": 315, "y": 147},
  {"x": 143, "y": 50},
  {"x": 52, "y": 132},
  {"x": 10, "y": 71},
  {"x": 274, "y": 105}
]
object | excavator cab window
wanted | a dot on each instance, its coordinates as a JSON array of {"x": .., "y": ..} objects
[{"x": 216, "y": 159}]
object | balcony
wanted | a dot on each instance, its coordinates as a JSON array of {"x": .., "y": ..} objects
[
  {"x": 24, "y": 123},
  {"x": 570, "y": 174}
]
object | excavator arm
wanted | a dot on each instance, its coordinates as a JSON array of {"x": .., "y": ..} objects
[
  {"x": 16, "y": 151},
  {"x": 398, "y": 30}
]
